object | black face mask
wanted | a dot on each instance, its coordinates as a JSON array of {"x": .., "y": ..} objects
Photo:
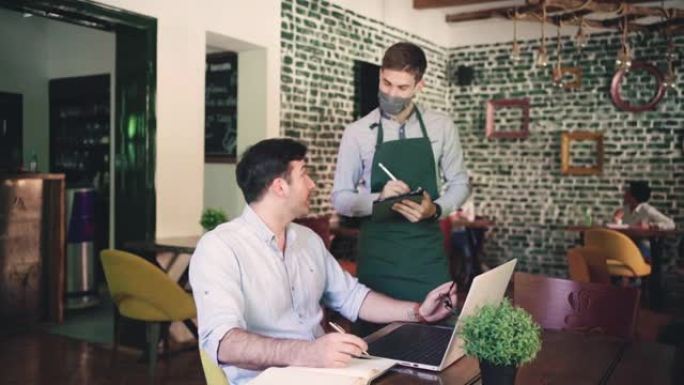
[{"x": 392, "y": 105}]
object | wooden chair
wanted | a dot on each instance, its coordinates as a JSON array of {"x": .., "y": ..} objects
[
  {"x": 568, "y": 305},
  {"x": 587, "y": 264},
  {"x": 623, "y": 256}
]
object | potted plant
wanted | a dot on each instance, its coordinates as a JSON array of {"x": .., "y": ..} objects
[
  {"x": 212, "y": 218},
  {"x": 502, "y": 337}
]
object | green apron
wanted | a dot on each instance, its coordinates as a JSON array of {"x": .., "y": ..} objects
[{"x": 402, "y": 259}]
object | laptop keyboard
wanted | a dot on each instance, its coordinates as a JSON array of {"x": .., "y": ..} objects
[{"x": 422, "y": 344}]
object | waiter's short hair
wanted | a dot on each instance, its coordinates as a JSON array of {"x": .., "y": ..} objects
[
  {"x": 263, "y": 162},
  {"x": 405, "y": 56},
  {"x": 640, "y": 190}
]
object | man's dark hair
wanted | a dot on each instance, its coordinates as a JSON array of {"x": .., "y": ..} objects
[
  {"x": 265, "y": 161},
  {"x": 407, "y": 57},
  {"x": 640, "y": 190}
]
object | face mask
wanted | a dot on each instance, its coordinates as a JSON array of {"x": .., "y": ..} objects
[{"x": 392, "y": 105}]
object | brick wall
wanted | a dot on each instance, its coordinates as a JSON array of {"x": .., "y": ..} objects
[
  {"x": 319, "y": 44},
  {"x": 518, "y": 181}
]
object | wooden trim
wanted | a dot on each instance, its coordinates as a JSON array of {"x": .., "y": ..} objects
[
  {"x": 427, "y": 4},
  {"x": 493, "y": 105},
  {"x": 566, "y": 141}
]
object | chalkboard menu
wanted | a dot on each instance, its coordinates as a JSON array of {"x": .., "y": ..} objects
[{"x": 220, "y": 108}]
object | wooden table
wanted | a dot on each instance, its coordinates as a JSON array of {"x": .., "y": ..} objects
[
  {"x": 656, "y": 238},
  {"x": 567, "y": 358},
  {"x": 174, "y": 245}
]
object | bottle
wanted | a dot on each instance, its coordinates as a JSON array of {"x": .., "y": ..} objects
[
  {"x": 33, "y": 163},
  {"x": 587, "y": 217}
]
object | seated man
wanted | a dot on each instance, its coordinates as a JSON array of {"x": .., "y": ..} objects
[
  {"x": 636, "y": 212},
  {"x": 259, "y": 280}
]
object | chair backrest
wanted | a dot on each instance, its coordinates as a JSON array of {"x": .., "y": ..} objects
[
  {"x": 142, "y": 291},
  {"x": 619, "y": 247},
  {"x": 320, "y": 225},
  {"x": 587, "y": 264},
  {"x": 445, "y": 226},
  {"x": 568, "y": 305},
  {"x": 212, "y": 372}
]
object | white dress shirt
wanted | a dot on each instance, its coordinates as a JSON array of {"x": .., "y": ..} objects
[
  {"x": 644, "y": 212},
  {"x": 240, "y": 279},
  {"x": 351, "y": 194}
]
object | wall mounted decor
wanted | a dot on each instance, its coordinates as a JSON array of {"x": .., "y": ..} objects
[
  {"x": 636, "y": 70},
  {"x": 508, "y": 118},
  {"x": 570, "y": 158},
  {"x": 568, "y": 78}
]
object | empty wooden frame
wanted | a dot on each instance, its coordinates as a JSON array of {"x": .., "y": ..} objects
[
  {"x": 567, "y": 167},
  {"x": 637, "y": 67},
  {"x": 495, "y": 105},
  {"x": 568, "y": 78}
]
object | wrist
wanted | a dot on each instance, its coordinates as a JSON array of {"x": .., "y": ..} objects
[
  {"x": 438, "y": 211},
  {"x": 417, "y": 317}
]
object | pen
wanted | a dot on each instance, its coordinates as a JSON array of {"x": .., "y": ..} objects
[
  {"x": 389, "y": 174},
  {"x": 338, "y": 328}
]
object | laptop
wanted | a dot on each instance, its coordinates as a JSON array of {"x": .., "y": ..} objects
[{"x": 435, "y": 347}]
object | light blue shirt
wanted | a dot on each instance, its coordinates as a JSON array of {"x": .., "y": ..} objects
[
  {"x": 351, "y": 194},
  {"x": 240, "y": 279}
]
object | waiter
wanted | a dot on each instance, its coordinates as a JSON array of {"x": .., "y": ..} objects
[{"x": 403, "y": 258}]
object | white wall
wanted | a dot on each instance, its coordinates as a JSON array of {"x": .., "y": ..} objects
[
  {"x": 427, "y": 23},
  {"x": 181, "y": 40}
]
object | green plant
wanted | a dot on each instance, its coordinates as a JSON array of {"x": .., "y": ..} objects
[
  {"x": 501, "y": 334},
  {"x": 212, "y": 218}
]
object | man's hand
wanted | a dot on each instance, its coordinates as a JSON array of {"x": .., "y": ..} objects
[
  {"x": 618, "y": 215},
  {"x": 394, "y": 188},
  {"x": 415, "y": 212},
  {"x": 333, "y": 350},
  {"x": 433, "y": 307}
]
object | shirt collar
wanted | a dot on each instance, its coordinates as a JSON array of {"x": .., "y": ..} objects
[
  {"x": 410, "y": 119},
  {"x": 262, "y": 231}
]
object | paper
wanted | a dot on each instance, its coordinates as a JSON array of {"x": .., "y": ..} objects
[{"x": 358, "y": 372}]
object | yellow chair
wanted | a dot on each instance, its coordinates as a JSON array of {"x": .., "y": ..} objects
[
  {"x": 587, "y": 265},
  {"x": 212, "y": 372},
  {"x": 623, "y": 257},
  {"x": 142, "y": 291}
]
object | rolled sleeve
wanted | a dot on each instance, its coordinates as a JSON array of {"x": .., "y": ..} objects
[
  {"x": 453, "y": 171},
  {"x": 343, "y": 293},
  {"x": 215, "y": 280},
  {"x": 346, "y": 198}
]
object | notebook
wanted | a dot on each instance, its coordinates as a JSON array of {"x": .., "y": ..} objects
[
  {"x": 382, "y": 209},
  {"x": 434, "y": 347},
  {"x": 358, "y": 372}
]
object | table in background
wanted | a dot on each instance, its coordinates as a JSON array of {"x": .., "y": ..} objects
[
  {"x": 656, "y": 238},
  {"x": 566, "y": 358},
  {"x": 176, "y": 246},
  {"x": 475, "y": 234}
]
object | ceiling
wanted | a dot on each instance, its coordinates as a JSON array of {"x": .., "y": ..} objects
[{"x": 593, "y": 14}]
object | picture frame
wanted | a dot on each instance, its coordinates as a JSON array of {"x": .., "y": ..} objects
[
  {"x": 495, "y": 105},
  {"x": 568, "y": 78},
  {"x": 616, "y": 92},
  {"x": 567, "y": 138}
]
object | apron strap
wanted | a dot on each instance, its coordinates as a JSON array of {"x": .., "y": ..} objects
[{"x": 379, "y": 138}]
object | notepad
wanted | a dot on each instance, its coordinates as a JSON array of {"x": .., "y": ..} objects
[
  {"x": 358, "y": 372},
  {"x": 382, "y": 209}
]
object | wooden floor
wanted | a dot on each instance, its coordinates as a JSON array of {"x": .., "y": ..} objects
[{"x": 38, "y": 358}]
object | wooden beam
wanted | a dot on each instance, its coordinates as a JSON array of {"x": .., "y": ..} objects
[{"x": 426, "y": 4}]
